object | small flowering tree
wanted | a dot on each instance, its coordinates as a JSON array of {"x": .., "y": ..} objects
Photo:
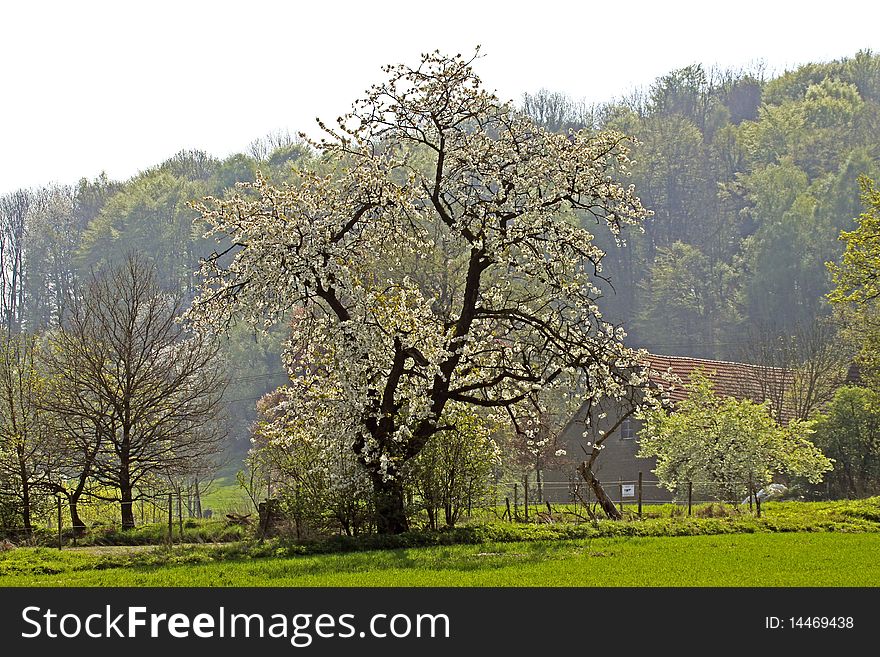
[
  {"x": 441, "y": 262},
  {"x": 726, "y": 444},
  {"x": 455, "y": 467},
  {"x": 301, "y": 460}
]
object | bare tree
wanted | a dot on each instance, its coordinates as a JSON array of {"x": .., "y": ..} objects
[
  {"x": 82, "y": 417},
  {"x": 261, "y": 149},
  {"x": 13, "y": 222},
  {"x": 799, "y": 369},
  {"x": 148, "y": 389},
  {"x": 557, "y": 112}
]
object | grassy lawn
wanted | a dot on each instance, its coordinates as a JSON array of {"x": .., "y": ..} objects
[
  {"x": 792, "y": 544},
  {"x": 225, "y": 495},
  {"x": 760, "y": 559}
]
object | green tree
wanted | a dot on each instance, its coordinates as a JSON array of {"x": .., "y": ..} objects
[
  {"x": 149, "y": 215},
  {"x": 723, "y": 444},
  {"x": 27, "y": 453},
  {"x": 785, "y": 277},
  {"x": 857, "y": 282},
  {"x": 848, "y": 431},
  {"x": 686, "y": 297},
  {"x": 454, "y": 469}
]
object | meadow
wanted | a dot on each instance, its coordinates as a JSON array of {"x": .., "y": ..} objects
[
  {"x": 792, "y": 544},
  {"x": 761, "y": 559}
]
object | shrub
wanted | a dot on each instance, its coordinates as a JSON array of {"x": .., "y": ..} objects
[{"x": 454, "y": 468}]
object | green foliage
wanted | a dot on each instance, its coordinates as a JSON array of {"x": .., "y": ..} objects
[
  {"x": 858, "y": 276},
  {"x": 311, "y": 470},
  {"x": 848, "y": 431},
  {"x": 194, "y": 531},
  {"x": 754, "y": 178},
  {"x": 255, "y": 364},
  {"x": 732, "y": 442},
  {"x": 862, "y": 70},
  {"x": 857, "y": 281},
  {"x": 150, "y": 215},
  {"x": 688, "y": 296},
  {"x": 453, "y": 470},
  {"x": 28, "y": 447}
]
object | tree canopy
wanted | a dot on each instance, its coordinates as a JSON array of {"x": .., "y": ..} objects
[
  {"x": 724, "y": 445},
  {"x": 430, "y": 167},
  {"x": 857, "y": 280},
  {"x": 848, "y": 431}
]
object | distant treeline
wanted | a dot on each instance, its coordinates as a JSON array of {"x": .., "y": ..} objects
[{"x": 750, "y": 180}]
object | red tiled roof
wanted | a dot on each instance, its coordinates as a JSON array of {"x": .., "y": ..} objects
[{"x": 757, "y": 383}]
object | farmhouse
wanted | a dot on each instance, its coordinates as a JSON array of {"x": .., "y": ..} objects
[{"x": 618, "y": 467}]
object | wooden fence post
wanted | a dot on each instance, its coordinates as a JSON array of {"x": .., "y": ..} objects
[
  {"x": 170, "y": 520},
  {"x": 58, "y": 497},
  {"x": 180, "y": 514},
  {"x": 516, "y": 501},
  {"x": 640, "y": 494},
  {"x": 526, "y": 497},
  {"x": 690, "y": 496}
]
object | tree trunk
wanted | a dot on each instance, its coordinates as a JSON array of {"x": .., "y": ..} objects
[
  {"x": 198, "y": 500},
  {"x": 26, "y": 507},
  {"x": 125, "y": 486},
  {"x": 127, "y": 509},
  {"x": 390, "y": 507},
  {"x": 540, "y": 479},
  {"x": 79, "y": 526},
  {"x": 605, "y": 502},
  {"x": 451, "y": 514}
]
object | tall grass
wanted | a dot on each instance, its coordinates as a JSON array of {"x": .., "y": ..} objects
[{"x": 811, "y": 559}]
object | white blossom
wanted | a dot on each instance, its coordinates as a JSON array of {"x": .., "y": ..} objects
[{"x": 443, "y": 261}]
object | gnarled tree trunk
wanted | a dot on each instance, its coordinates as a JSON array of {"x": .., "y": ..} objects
[
  {"x": 390, "y": 504},
  {"x": 586, "y": 471}
]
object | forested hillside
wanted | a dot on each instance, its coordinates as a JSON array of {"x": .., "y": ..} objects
[{"x": 750, "y": 179}]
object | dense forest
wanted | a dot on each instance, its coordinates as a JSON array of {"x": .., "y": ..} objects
[{"x": 751, "y": 180}]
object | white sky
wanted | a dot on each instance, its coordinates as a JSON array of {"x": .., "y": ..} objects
[{"x": 119, "y": 86}]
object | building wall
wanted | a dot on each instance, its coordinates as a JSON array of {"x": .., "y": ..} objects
[{"x": 617, "y": 465}]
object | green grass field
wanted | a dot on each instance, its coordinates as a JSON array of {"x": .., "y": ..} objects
[
  {"x": 225, "y": 495},
  {"x": 792, "y": 544},
  {"x": 761, "y": 559}
]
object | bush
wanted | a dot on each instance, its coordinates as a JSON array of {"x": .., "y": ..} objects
[
  {"x": 453, "y": 470},
  {"x": 849, "y": 433}
]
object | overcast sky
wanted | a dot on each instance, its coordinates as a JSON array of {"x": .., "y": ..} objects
[{"x": 118, "y": 86}]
